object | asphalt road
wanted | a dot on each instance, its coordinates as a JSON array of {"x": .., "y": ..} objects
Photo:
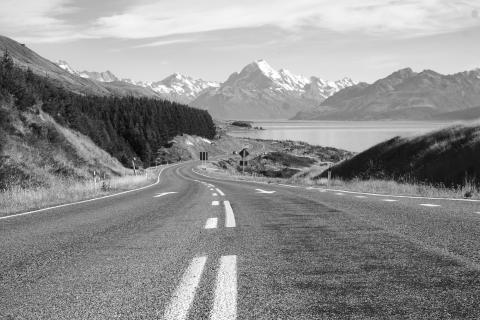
[{"x": 194, "y": 247}]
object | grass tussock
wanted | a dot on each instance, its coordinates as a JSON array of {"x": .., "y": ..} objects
[{"x": 18, "y": 199}]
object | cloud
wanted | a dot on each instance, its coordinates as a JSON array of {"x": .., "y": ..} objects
[
  {"x": 58, "y": 20},
  {"x": 37, "y": 19},
  {"x": 376, "y": 17},
  {"x": 165, "y": 42}
]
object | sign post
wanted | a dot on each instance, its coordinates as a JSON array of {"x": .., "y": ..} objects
[
  {"x": 204, "y": 157},
  {"x": 243, "y": 153}
]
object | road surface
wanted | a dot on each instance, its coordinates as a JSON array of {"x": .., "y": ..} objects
[{"x": 194, "y": 247}]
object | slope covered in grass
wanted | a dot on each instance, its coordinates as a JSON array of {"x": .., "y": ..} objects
[
  {"x": 35, "y": 151},
  {"x": 447, "y": 157}
]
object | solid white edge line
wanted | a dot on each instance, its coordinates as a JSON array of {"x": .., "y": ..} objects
[
  {"x": 211, "y": 223},
  {"x": 229, "y": 216},
  {"x": 344, "y": 191},
  {"x": 215, "y": 203},
  {"x": 184, "y": 294},
  {"x": 220, "y": 192},
  {"x": 225, "y": 300},
  {"x": 89, "y": 200}
]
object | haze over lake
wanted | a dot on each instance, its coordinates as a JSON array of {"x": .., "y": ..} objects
[{"x": 349, "y": 135}]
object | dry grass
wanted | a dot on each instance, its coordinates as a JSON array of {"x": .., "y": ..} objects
[
  {"x": 67, "y": 190},
  {"x": 397, "y": 188}
]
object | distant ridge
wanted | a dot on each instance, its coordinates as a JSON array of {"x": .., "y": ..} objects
[
  {"x": 404, "y": 94},
  {"x": 26, "y": 58}
]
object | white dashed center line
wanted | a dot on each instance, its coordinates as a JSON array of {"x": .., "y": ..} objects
[
  {"x": 361, "y": 197},
  {"x": 429, "y": 205},
  {"x": 220, "y": 192},
  {"x": 339, "y": 194},
  {"x": 185, "y": 292},
  {"x": 389, "y": 200},
  {"x": 225, "y": 301},
  {"x": 215, "y": 203},
  {"x": 229, "y": 216},
  {"x": 214, "y": 194},
  {"x": 211, "y": 223}
]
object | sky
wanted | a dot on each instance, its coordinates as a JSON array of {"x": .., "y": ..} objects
[{"x": 210, "y": 39}]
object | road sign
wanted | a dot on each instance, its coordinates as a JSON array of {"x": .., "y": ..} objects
[
  {"x": 244, "y": 153},
  {"x": 203, "y": 155}
]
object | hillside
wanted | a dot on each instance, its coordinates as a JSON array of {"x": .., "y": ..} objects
[
  {"x": 125, "y": 127},
  {"x": 26, "y": 58},
  {"x": 446, "y": 157},
  {"x": 404, "y": 94},
  {"x": 260, "y": 92}
]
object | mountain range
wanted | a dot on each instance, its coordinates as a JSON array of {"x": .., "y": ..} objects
[
  {"x": 175, "y": 87},
  {"x": 405, "y": 94},
  {"x": 260, "y": 92}
]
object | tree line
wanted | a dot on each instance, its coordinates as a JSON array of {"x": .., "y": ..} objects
[{"x": 126, "y": 127}]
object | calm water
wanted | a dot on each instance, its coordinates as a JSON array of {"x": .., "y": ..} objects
[{"x": 348, "y": 135}]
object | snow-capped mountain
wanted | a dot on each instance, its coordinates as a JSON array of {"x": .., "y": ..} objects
[
  {"x": 175, "y": 87},
  {"x": 259, "y": 91},
  {"x": 182, "y": 88},
  {"x": 65, "y": 66},
  {"x": 106, "y": 76}
]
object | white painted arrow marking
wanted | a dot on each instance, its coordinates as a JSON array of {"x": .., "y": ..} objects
[
  {"x": 164, "y": 194},
  {"x": 429, "y": 205},
  {"x": 264, "y": 191}
]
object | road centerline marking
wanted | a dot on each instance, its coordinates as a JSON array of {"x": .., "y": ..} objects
[
  {"x": 215, "y": 203},
  {"x": 220, "y": 192},
  {"x": 185, "y": 293},
  {"x": 360, "y": 197},
  {"x": 229, "y": 216},
  {"x": 211, "y": 223},
  {"x": 225, "y": 300},
  {"x": 215, "y": 194},
  {"x": 389, "y": 200}
]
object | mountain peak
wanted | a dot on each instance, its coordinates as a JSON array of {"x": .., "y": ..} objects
[
  {"x": 263, "y": 67},
  {"x": 402, "y": 73},
  {"x": 65, "y": 66}
]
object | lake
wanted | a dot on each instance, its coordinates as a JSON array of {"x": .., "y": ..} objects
[{"x": 349, "y": 135}]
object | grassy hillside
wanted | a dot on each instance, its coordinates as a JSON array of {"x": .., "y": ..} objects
[
  {"x": 36, "y": 151},
  {"x": 447, "y": 157}
]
